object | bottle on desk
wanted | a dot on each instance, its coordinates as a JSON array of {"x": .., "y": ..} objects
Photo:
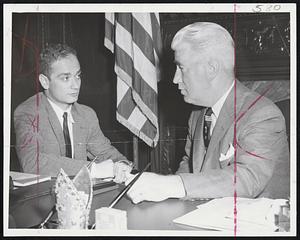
[{"x": 282, "y": 219}]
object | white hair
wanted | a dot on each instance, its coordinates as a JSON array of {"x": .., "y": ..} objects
[{"x": 207, "y": 39}]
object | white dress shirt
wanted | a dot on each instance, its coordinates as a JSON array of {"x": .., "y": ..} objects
[
  {"x": 216, "y": 108},
  {"x": 59, "y": 112}
]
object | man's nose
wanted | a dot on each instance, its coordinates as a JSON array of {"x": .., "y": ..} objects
[
  {"x": 177, "y": 77},
  {"x": 75, "y": 83}
]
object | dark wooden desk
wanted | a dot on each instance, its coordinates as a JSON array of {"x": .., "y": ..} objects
[{"x": 28, "y": 209}]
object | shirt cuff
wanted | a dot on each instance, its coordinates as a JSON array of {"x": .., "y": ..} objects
[
  {"x": 181, "y": 188},
  {"x": 129, "y": 163}
]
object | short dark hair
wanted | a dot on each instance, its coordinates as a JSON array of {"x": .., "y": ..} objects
[{"x": 52, "y": 53}]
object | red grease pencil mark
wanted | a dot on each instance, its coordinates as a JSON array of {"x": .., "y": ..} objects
[
  {"x": 26, "y": 45},
  {"x": 27, "y": 140},
  {"x": 32, "y": 131},
  {"x": 242, "y": 115},
  {"x": 37, "y": 69},
  {"x": 34, "y": 123},
  {"x": 250, "y": 153},
  {"x": 254, "y": 102},
  {"x": 234, "y": 133},
  {"x": 235, "y": 143},
  {"x": 23, "y": 45}
]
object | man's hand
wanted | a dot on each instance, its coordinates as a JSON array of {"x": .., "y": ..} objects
[
  {"x": 154, "y": 187},
  {"x": 121, "y": 170},
  {"x": 109, "y": 169}
]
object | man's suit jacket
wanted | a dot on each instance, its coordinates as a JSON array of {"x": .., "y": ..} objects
[
  {"x": 40, "y": 142},
  {"x": 262, "y": 152}
]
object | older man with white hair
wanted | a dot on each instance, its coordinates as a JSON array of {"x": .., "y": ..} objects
[{"x": 237, "y": 142}]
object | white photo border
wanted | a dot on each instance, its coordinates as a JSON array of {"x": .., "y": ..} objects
[{"x": 9, "y": 9}]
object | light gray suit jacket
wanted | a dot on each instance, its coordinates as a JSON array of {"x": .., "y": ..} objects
[
  {"x": 40, "y": 142},
  {"x": 262, "y": 153}
]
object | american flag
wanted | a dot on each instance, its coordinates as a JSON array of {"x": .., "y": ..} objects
[{"x": 135, "y": 40}]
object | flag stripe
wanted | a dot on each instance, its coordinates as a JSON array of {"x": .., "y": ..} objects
[
  {"x": 145, "y": 68},
  {"x": 139, "y": 34},
  {"x": 122, "y": 89},
  {"x": 143, "y": 40},
  {"x": 126, "y": 106},
  {"x": 123, "y": 39},
  {"x": 110, "y": 17},
  {"x": 144, "y": 21},
  {"x": 141, "y": 64},
  {"x": 125, "y": 62},
  {"x": 157, "y": 41},
  {"x": 121, "y": 58},
  {"x": 146, "y": 93},
  {"x": 124, "y": 19},
  {"x": 137, "y": 118},
  {"x": 137, "y": 132},
  {"x": 148, "y": 129},
  {"x": 145, "y": 109},
  {"x": 109, "y": 31}
]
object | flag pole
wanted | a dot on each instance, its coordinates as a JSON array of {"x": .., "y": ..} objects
[{"x": 135, "y": 151}]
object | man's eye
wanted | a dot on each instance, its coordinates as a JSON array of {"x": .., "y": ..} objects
[
  {"x": 79, "y": 76},
  {"x": 66, "y": 78}
]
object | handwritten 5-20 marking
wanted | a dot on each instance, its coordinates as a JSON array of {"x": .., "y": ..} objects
[{"x": 266, "y": 8}]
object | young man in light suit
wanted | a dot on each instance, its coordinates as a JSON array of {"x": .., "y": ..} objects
[
  {"x": 246, "y": 131},
  {"x": 53, "y": 131}
]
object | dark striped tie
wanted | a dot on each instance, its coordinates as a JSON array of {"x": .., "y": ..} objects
[
  {"x": 206, "y": 127},
  {"x": 67, "y": 136}
]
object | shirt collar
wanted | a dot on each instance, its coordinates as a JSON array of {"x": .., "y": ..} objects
[
  {"x": 59, "y": 112},
  {"x": 219, "y": 104}
]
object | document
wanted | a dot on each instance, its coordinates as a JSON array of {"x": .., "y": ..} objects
[
  {"x": 25, "y": 179},
  {"x": 252, "y": 215}
]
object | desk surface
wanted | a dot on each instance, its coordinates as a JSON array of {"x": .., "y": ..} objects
[
  {"x": 148, "y": 215},
  {"x": 30, "y": 211}
]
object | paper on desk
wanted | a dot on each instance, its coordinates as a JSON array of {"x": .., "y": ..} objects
[
  {"x": 253, "y": 215},
  {"x": 25, "y": 179}
]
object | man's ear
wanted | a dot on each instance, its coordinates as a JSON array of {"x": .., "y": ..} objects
[
  {"x": 213, "y": 68},
  {"x": 44, "y": 81}
]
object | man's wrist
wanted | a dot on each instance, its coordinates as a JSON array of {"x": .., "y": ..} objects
[
  {"x": 176, "y": 189},
  {"x": 127, "y": 162}
]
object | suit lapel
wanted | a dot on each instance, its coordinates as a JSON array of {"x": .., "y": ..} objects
[
  {"x": 224, "y": 121},
  {"x": 54, "y": 122}
]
